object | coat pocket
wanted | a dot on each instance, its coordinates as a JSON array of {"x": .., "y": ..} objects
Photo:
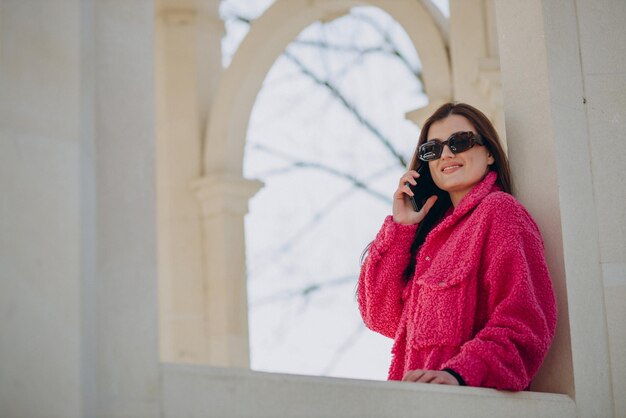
[{"x": 441, "y": 316}]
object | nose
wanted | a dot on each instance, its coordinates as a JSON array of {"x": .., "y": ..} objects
[{"x": 446, "y": 152}]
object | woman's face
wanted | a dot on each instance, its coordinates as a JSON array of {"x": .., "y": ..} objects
[{"x": 457, "y": 173}]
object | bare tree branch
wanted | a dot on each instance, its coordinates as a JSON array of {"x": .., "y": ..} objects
[
  {"x": 355, "y": 112},
  {"x": 275, "y": 254},
  {"x": 360, "y": 54},
  {"x": 390, "y": 44},
  {"x": 338, "y": 48},
  {"x": 303, "y": 291},
  {"x": 296, "y": 163},
  {"x": 391, "y": 47},
  {"x": 334, "y": 90},
  {"x": 242, "y": 19}
]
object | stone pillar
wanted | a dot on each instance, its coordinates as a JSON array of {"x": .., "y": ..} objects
[
  {"x": 475, "y": 62},
  {"x": 468, "y": 46},
  {"x": 224, "y": 200},
  {"x": 126, "y": 286},
  {"x": 41, "y": 209},
  {"x": 548, "y": 132},
  {"x": 188, "y": 68}
]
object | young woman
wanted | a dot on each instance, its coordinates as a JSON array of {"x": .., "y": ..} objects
[{"x": 460, "y": 285}]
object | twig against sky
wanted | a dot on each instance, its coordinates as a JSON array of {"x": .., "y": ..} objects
[
  {"x": 298, "y": 163},
  {"x": 390, "y": 47},
  {"x": 334, "y": 90},
  {"x": 393, "y": 49},
  {"x": 274, "y": 255},
  {"x": 303, "y": 291},
  {"x": 339, "y": 48}
]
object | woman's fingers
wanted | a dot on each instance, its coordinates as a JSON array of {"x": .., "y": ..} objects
[
  {"x": 413, "y": 375},
  {"x": 445, "y": 381},
  {"x": 403, "y": 212},
  {"x": 409, "y": 177},
  {"x": 445, "y": 378},
  {"x": 430, "y": 376},
  {"x": 428, "y": 204},
  {"x": 406, "y": 189},
  {"x": 427, "y": 377}
]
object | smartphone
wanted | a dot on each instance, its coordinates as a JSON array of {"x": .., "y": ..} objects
[{"x": 424, "y": 189}]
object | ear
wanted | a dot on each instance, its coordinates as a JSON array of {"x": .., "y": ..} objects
[{"x": 490, "y": 159}]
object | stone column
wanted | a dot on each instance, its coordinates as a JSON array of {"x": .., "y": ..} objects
[
  {"x": 188, "y": 67},
  {"x": 548, "y": 132},
  {"x": 224, "y": 200},
  {"x": 475, "y": 63},
  {"x": 126, "y": 287},
  {"x": 42, "y": 211}
]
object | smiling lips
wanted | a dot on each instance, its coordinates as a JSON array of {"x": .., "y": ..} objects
[{"x": 451, "y": 168}]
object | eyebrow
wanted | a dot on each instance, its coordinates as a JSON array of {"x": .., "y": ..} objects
[{"x": 441, "y": 140}]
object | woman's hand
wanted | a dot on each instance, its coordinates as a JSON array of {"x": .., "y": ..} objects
[
  {"x": 430, "y": 376},
  {"x": 403, "y": 212}
]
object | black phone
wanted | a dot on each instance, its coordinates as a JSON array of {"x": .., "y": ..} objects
[{"x": 424, "y": 189}]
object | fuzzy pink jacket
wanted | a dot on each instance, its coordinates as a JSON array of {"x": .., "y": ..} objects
[{"x": 481, "y": 301}]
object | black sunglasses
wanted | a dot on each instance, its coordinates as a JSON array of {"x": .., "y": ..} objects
[{"x": 458, "y": 142}]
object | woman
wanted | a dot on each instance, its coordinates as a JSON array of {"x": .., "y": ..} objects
[{"x": 460, "y": 285}]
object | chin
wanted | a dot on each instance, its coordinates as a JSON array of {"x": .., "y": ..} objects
[
  {"x": 448, "y": 184},
  {"x": 451, "y": 187},
  {"x": 458, "y": 181}
]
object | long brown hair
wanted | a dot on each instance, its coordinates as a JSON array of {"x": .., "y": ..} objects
[{"x": 492, "y": 141}]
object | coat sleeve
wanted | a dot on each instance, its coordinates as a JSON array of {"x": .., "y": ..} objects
[
  {"x": 507, "y": 352},
  {"x": 381, "y": 281}
]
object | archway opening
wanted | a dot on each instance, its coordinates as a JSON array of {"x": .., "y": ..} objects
[{"x": 328, "y": 137}]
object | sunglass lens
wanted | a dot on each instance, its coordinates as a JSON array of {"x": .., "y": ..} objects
[
  {"x": 461, "y": 141},
  {"x": 429, "y": 151}
]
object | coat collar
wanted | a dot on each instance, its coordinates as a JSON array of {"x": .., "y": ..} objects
[{"x": 486, "y": 186}]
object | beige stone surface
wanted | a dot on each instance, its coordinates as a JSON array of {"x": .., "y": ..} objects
[
  {"x": 126, "y": 319},
  {"x": 224, "y": 203},
  {"x": 615, "y": 295},
  {"x": 603, "y": 58},
  {"x": 579, "y": 107},
  {"x": 468, "y": 45},
  {"x": 188, "y": 52},
  {"x": 606, "y": 104},
  {"x": 231, "y": 393},
  {"x": 533, "y": 161},
  {"x": 475, "y": 60},
  {"x": 602, "y": 36},
  {"x": 40, "y": 298}
]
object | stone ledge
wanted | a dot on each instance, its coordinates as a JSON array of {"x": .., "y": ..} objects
[{"x": 199, "y": 391}]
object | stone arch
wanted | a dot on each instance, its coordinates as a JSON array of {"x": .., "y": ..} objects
[
  {"x": 224, "y": 193},
  {"x": 267, "y": 39}
]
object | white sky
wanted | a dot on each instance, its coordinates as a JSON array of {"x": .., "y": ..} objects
[{"x": 321, "y": 334}]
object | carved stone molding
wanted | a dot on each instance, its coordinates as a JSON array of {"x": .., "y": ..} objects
[{"x": 225, "y": 193}]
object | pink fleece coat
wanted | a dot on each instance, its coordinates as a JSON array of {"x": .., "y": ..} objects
[{"x": 481, "y": 300}]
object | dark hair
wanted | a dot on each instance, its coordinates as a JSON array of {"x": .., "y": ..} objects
[{"x": 492, "y": 141}]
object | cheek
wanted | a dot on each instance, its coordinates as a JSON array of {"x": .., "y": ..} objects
[{"x": 479, "y": 170}]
